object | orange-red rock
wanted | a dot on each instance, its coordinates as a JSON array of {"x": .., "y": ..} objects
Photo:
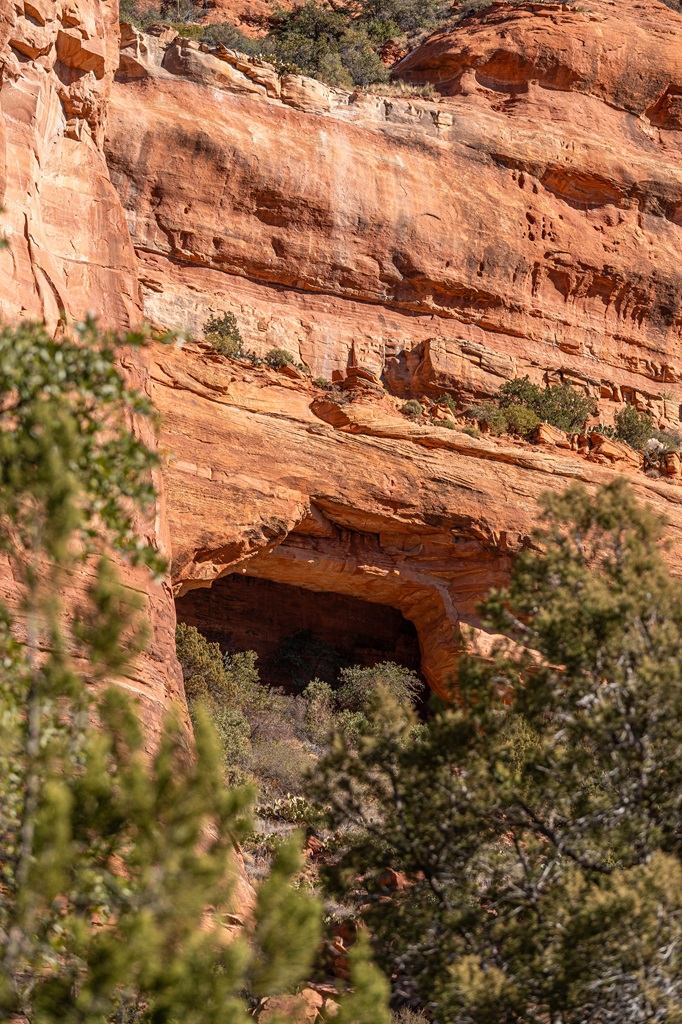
[
  {"x": 529, "y": 221},
  {"x": 278, "y": 480},
  {"x": 69, "y": 244}
]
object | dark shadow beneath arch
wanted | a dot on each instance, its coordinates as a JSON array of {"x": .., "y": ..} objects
[{"x": 298, "y": 633}]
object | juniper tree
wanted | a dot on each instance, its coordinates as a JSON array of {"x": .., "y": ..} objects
[
  {"x": 539, "y": 818},
  {"x": 115, "y": 884}
]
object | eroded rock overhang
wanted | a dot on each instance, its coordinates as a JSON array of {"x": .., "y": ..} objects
[{"x": 261, "y": 482}]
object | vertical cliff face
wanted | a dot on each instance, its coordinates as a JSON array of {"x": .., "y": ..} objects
[
  {"x": 69, "y": 249},
  {"x": 69, "y": 244}
]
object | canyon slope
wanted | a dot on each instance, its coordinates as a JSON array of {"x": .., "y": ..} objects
[{"x": 524, "y": 218}]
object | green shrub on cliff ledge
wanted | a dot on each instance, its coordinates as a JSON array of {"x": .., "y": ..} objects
[
  {"x": 223, "y": 334},
  {"x": 560, "y": 405},
  {"x": 520, "y": 405},
  {"x": 413, "y": 409},
  {"x": 279, "y": 357},
  {"x": 633, "y": 427},
  {"x": 340, "y": 43}
]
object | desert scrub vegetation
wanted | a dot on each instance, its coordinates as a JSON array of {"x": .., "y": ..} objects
[
  {"x": 637, "y": 430},
  {"x": 337, "y": 43},
  {"x": 222, "y": 333},
  {"x": 114, "y": 888},
  {"x": 272, "y": 737},
  {"x": 279, "y": 357},
  {"x": 413, "y": 409},
  {"x": 520, "y": 405},
  {"x": 536, "y": 843},
  {"x": 340, "y": 44}
]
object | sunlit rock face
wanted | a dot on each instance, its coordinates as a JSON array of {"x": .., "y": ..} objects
[
  {"x": 275, "y": 479},
  {"x": 526, "y": 218},
  {"x": 69, "y": 250},
  {"x": 530, "y": 219}
]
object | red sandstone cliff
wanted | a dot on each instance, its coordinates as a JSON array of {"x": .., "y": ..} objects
[
  {"x": 529, "y": 219},
  {"x": 69, "y": 249}
]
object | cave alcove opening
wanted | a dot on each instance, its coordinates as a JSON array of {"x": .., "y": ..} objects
[{"x": 299, "y": 633}]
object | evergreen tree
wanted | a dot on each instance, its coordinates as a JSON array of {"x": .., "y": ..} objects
[
  {"x": 115, "y": 881},
  {"x": 539, "y": 819}
]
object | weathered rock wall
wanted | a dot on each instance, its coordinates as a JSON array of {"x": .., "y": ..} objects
[
  {"x": 531, "y": 219},
  {"x": 69, "y": 249},
  {"x": 273, "y": 478}
]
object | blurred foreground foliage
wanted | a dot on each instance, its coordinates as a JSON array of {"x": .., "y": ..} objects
[{"x": 116, "y": 867}]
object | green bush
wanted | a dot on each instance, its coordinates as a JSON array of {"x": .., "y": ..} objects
[
  {"x": 520, "y": 391},
  {"x": 448, "y": 424},
  {"x": 396, "y": 16},
  {"x": 230, "y": 37},
  {"x": 279, "y": 357},
  {"x": 566, "y": 407},
  {"x": 220, "y": 692},
  {"x": 346, "y": 708},
  {"x": 340, "y": 45},
  {"x": 491, "y": 415},
  {"x": 538, "y": 817},
  {"x": 202, "y": 666},
  {"x": 320, "y": 382},
  {"x": 521, "y": 420},
  {"x": 222, "y": 333},
  {"x": 234, "y": 734},
  {"x": 448, "y": 401},
  {"x": 413, "y": 409},
  {"x": 560, "y": 405},
  {"x": 326, "y": 44},
  {"x": 320, "y": 714},
  {"x": 633, "y": 427},
  {"x": 359, "y": 686}
]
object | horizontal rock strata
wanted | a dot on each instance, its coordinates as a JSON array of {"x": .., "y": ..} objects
[
  {"x": 530, "y": 220},
  {"x": 269, "y": 477}
]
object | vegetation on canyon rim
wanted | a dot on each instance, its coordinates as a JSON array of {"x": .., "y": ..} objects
[
  {"x": 109, "y": 860},
  {"x": 338, "y": 43}
]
